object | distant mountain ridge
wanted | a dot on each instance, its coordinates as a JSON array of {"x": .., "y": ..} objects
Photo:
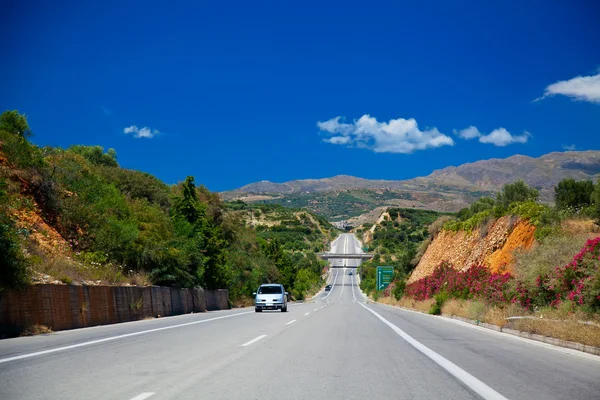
[{"x": 447, "y": 189}]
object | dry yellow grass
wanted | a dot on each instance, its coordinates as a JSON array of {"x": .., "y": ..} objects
[
  {"x": 496, "y": 316},
  {"x": 36, "y": 329},
  {"x": 556, "y": 323},
  {"x": 561, "y": 323},
  {"x": 244, "y": 301},
  {"x": 455, "y": 307},
  {"x": 67, "y": 270},
  {"x": 569, "y": 330},
  {"x": 405, "y": 302},
  {"x": 577, "y": 226}
]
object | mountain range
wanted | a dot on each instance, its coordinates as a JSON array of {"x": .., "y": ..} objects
[{"x": 447, "y": 189}]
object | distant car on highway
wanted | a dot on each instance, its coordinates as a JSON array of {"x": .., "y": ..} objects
[
  {"x": 327, "y": 288},
  {"x": 271, "y": 296},
  {"x": 350, "y": 273}
]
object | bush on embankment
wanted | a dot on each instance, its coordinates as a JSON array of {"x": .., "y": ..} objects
[{"x": 577, "y": 282}]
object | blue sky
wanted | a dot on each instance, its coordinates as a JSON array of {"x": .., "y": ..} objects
[{"x": 233, "y": 93}]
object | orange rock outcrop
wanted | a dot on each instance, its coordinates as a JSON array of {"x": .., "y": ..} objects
[{"x": 493, "y": 245}]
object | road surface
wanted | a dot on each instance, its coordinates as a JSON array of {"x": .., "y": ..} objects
[
  {"x": 335, "y": 347},
  {"x": 346, "y": 244}
]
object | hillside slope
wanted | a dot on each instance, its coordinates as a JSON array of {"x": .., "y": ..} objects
[
  {"x": 491, "y": 245},
  {"x": 75, "y": 216},
  {"x": 448, "y": 189}
]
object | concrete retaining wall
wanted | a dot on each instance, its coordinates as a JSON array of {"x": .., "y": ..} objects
[{"x": 62, "y": 307}]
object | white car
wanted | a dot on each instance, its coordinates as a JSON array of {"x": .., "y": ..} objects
[{"x": 270, "y": 296}]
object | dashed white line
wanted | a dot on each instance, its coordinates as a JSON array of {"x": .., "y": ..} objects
[
  {"x": 469, "y": 380},
  {"x": 256, "y": 339},
  {"x": 307, "y": 313},
  {"x": 291, "y": 322},
  {"x": 109, "y": 339},
  {"x": 143, "y": 396},
  {"x": 316, "y": 309}
]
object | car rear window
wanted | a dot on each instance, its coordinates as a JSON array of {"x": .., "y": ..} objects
[{"x": 269, "y": 290}]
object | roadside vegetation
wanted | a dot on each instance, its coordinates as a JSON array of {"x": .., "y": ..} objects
[
  {"x": 398, "y": 242},
  {"x": 342, "y": 204},
  {"x": 75, "y": 215},
  {"x": 555, "y": 286}
]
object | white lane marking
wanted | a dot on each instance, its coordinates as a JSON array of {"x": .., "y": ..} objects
[
  {"x": 469, "y": 380},
  {"x": 345, "y": 264},
  {"x": 316, "y": 309},
  {"x": 343, "y": 281},
  {"x": 502, "y": 334},
  {"x": 291, "y": 322},
  {"x": 109, "y": 339},
  {"x": 353, "y": 294},
  {"x": 256, "y": 339},
  {"x": 143, "y": 396},
  {"x": 333, "y": 285},
  {"x": 307, "y": 313}
]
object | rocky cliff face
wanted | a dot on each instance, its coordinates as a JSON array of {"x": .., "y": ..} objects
[{"x": 492, "y": 245}]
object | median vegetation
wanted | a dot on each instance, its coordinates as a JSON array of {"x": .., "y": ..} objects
[{"x": 75, "y": 216}]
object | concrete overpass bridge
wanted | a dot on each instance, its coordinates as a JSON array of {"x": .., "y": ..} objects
[{"x": 346, "y": 252}]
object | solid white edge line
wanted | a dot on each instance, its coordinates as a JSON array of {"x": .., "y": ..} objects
[
  {"x": 353, "y": 294},
  {"x": 143, "y": 396},
  {"x": 109, "y": 339},
  {"x": 332, "y": 285},
  {"x": 256, "y": 339},
  {"x": 469, "y": 380},
  {"x": 533, "y": 342},
  {"x": 291, "y": 322}
]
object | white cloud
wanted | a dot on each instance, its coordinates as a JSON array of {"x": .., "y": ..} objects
[
  {"x": 468, "y": 133},
  {"x": 337, "y": 140},
  {"x": 498, "y": 137},
  {"x": 396, "y": 136},
  {"x": 586, "y": 88},
  {"x": 502, "y": 137},
  {"x": 144, "y": 132},
  {"x": 569, "y": 147}
]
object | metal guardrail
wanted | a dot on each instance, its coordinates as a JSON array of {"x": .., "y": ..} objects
[{"x": 551, "y": 320}]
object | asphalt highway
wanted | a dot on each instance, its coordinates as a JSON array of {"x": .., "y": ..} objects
[{"x": 336, "y": 346}]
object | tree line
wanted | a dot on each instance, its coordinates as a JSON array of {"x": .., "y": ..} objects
[{"x": 178, "y": 235}]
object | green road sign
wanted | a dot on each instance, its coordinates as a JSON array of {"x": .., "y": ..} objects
[{"x": 384, "y": 277}]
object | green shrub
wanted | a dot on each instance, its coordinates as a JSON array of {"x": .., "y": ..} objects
[
  {"x": 572, "y": 194},
  {"x": 399, "y": 289},
  {"x": 516, "y": 192},
  {"x": 96, "y": 155},
  {"x": 13, "y": 265},
  {"x": 440, "y": 299},
  {"x": 542, "y": 260},
  {"x": 67, "y": 280},
  {"x": 473, "y": 222}
]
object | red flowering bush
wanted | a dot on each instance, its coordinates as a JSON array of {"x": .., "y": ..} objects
[
  {"x": 578, "y": 282},
  {"x": 476, "y": 282}
]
